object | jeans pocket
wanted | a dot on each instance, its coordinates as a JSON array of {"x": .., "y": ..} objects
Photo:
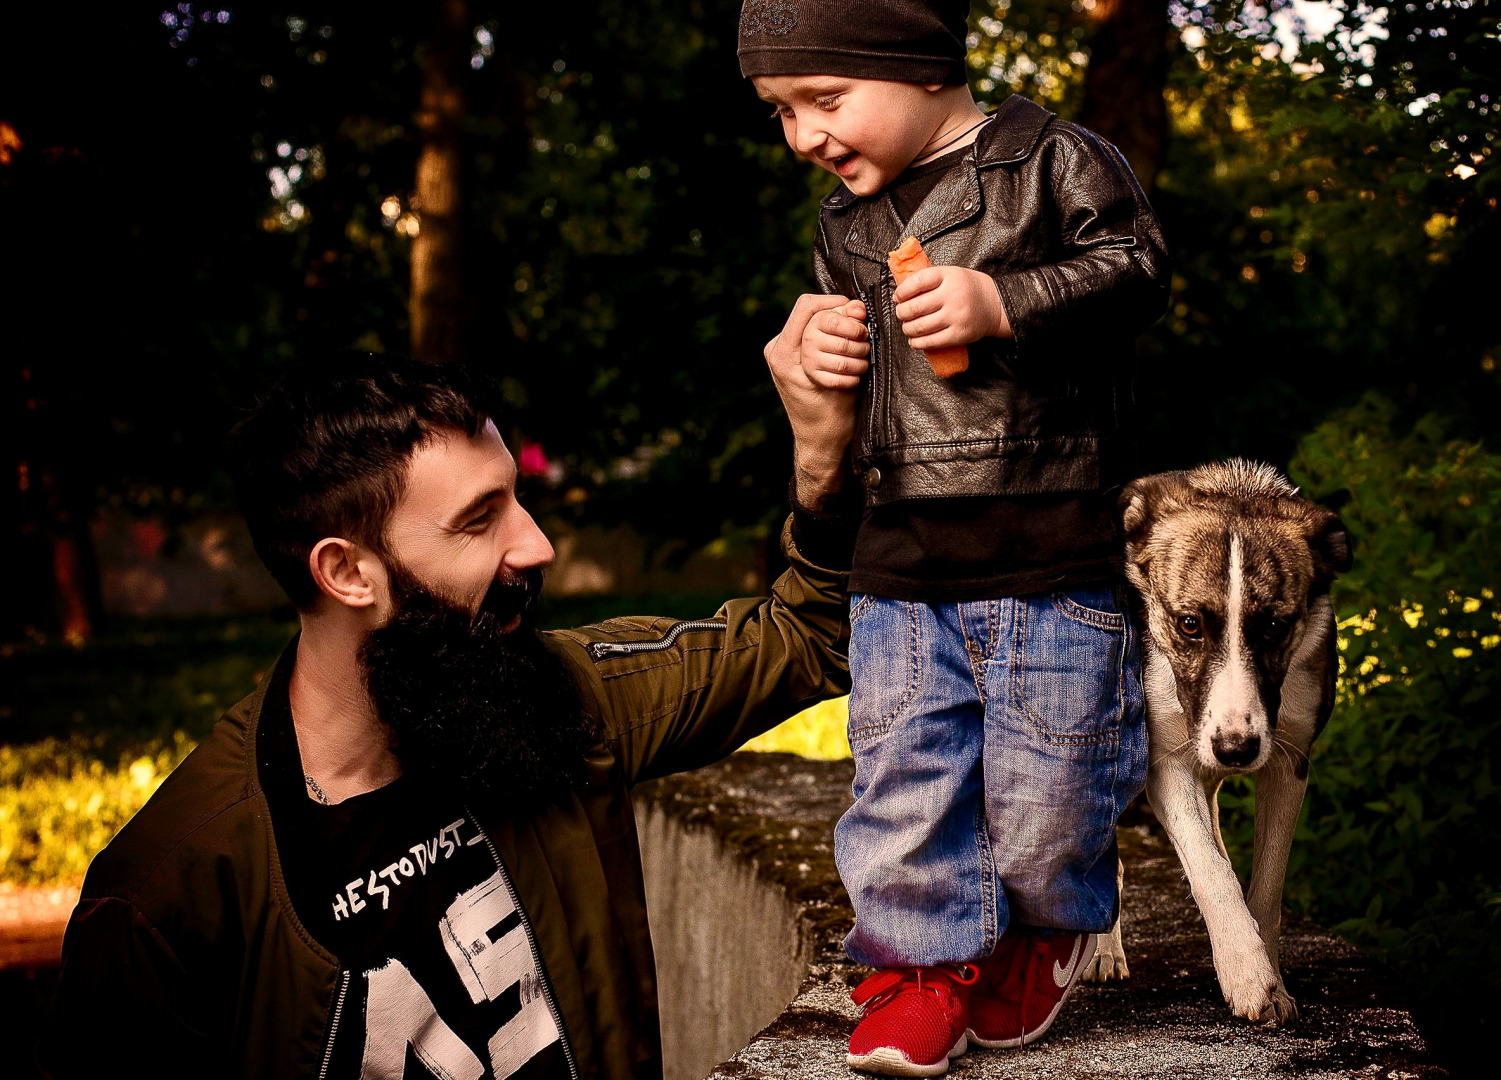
[
  {"x": 1068, "y": 667},
  {"x": 1099, "y": 607},
  {"x": 886, "y": 664}
]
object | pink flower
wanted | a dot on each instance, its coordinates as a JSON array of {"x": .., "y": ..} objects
[{"x": 534, "y": 460}]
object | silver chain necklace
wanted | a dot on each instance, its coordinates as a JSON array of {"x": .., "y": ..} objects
[{"x": 318, "y": 792}]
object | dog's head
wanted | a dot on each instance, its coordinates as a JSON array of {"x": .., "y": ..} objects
[{"x": 1225, "y": 560}]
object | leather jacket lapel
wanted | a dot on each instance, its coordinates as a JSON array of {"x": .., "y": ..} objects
[
  {"x": 955, "y": 200},
  {"x": 874, "y": 229}
]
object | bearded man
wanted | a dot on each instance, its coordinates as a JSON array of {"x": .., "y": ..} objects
[{"x": 411, "y": 852}]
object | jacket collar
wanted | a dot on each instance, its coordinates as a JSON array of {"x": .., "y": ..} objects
[
  {"x": 875, "y": 228},
  {"x": 1013, "y": 134}
]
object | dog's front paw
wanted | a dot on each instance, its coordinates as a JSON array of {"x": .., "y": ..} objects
[
  {"x": 1284, "y": 1008},
  {"x": 1109, "y": 959},
  {"x": 1252, "y": 990}
]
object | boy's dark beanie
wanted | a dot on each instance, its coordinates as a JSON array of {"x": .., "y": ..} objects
[{"x": 919, "y": 41}]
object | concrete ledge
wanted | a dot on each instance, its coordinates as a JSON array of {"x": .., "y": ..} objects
[{"x": 769, "y": 819}]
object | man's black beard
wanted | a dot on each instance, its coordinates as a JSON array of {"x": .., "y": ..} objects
[{"x": 468, "y": 704}]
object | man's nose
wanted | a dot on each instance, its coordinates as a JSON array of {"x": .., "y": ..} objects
[{"x": 530, "y": 548}]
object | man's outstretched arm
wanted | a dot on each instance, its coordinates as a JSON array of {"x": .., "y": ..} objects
[{"x": 677, "y": 694}]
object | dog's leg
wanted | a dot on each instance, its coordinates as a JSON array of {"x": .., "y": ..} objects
[
  {"x": 1110, "y": 955},
  {"x": 1279, "y": 796},
  {"x": 1246, "y": 976},
  {"x": 1212, "y": 800}
]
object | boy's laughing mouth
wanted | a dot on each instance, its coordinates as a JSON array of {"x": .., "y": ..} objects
[{"x": 843, "y": 162}]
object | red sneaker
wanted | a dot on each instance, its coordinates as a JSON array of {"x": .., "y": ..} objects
[
  {"x": 912, "y": 1020},
  {"x": 1023, "y": 984}
]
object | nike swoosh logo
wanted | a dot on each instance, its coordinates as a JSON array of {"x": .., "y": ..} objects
[{"x": 1061, "y": 974}]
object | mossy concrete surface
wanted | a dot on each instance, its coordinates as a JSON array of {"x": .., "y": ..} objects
[{"x": 775, "y": 814}]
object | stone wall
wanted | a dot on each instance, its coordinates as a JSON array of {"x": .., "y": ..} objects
[{"x": 742, "y": 889}]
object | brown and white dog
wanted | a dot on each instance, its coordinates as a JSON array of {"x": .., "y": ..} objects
[{"x": 1231, "y": 570}]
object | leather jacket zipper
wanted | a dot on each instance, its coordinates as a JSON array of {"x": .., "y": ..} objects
[
  {"x": 333, "y": 1025},
  {"x": 603, "y": 650},
  {"x": 531, "y": 940},
  {"x": 873, "y": 335}
]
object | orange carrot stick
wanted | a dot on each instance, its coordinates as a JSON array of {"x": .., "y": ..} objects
[{"x": 906, "y": 260}]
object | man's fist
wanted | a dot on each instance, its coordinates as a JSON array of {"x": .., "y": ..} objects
[
  {"x": 945, "y": 306},
  {"x": 834, "y": 347}
]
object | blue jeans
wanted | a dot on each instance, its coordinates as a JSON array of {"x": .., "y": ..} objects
[{"x": 996, "y": 742}]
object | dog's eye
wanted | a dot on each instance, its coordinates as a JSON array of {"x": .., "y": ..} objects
[{"x": 1188, "y": 625}]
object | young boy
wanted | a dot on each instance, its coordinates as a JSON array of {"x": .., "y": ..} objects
[{"x": 997, "y": 717}]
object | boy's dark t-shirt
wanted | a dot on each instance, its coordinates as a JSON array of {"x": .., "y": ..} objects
[{"x": 947, "y": 550}]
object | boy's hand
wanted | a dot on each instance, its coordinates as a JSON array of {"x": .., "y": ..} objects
[
  {"x": 834, "y": 346},
  {"x": 823, "y": 423},
  {"x": 950, "y": 305}
]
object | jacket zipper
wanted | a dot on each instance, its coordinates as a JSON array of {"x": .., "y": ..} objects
[
  {"x": 603, "y": 650},
  {"x": 531, "y": 940},
  {"x": 333, "y": 1026},
  {"x": 873, "y": 333}
]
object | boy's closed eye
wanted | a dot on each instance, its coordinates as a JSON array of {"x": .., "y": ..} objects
[{"x": 824, "y": 104}]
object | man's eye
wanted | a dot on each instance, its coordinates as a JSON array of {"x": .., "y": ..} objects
[
  {"x": 776, "y": 113},
  {"x": 828, "y": 102},
  {"x": 481, "y": 521}
]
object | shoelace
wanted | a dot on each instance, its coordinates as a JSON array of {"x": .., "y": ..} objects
[{"x": 884, "y": 985}]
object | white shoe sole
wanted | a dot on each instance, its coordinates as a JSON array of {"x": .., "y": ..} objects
[
  {"x": 889, "y": 1061},
  {"x": 1028, "y": 1038}
]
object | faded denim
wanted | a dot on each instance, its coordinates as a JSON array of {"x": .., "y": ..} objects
[{"x": 996, "y": 742}]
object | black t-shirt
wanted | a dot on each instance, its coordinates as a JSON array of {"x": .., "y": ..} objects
[
  {"x": 947, "y": 550},
  {"x": 440, "y": 972}
]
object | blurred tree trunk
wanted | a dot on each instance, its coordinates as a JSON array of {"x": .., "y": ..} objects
[
  {"x": 1128, "y": 57},
  {"x": 75, "y": 574},
  {"x": 437, "y": 286}
]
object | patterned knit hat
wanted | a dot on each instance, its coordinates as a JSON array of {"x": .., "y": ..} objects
[{"x": 919, "y": 41}]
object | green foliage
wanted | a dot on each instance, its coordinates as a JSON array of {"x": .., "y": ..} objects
[
  {"x": 1404, "y": 794},
  {"x": 144, "y": 680},
  {"x": 818, "y": 733},
  {"x": 87, "y": 734},
  {"x": 60, "y": 803},
  {"x": 1037, "y": 48},
  {"x": 1330, "y": 213}
]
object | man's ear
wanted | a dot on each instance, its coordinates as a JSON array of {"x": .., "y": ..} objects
[{"x": 341, "y": 570}]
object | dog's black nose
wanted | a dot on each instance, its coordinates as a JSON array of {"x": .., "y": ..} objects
[{"x": 1236, "y": 751}]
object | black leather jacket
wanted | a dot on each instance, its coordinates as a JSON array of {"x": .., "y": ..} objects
[{"x": 1053, "y": 214}]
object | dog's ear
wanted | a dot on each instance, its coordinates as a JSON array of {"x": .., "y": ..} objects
[
  {"x": 1330, "y": 543},
  {"x": 1142, "y": 503}
]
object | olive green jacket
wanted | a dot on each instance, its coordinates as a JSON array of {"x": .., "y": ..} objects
[{"x": 184, "y": 953}]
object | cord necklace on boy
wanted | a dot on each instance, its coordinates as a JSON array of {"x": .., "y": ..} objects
[{"x": 931, "y": 154}]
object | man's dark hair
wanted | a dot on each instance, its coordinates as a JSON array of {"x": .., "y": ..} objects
[{"x": 324, "y": 451}]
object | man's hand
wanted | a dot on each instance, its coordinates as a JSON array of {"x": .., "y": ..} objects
[
  {"x": 950, "y": 305},
  {"x": 823, "y": 419},
  {"x": 835, "y": 348}
]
